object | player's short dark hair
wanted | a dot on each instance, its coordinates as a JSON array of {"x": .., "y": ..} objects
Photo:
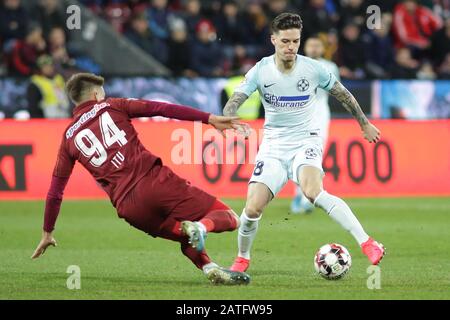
[
  {"x": 81, "y": 83},
  {"x": 285, "y": 21}
]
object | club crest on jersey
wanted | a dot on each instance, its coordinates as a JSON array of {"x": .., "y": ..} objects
[
  {"x": 311, "y": 153},
  {"x": 302, "y": 85}
]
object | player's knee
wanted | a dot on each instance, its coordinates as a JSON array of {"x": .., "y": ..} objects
[
  {"x": 311, "y": 191},
  {"x": 253, "y": 211}
]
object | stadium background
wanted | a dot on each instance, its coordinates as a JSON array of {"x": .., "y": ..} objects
[{"x": 187, "y": 51}]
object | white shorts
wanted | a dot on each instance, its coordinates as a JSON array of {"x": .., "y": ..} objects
[{"x": 275, "y": 168}]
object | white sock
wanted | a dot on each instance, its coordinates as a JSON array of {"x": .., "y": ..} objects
[
  {"x": 341, "y": 213},
  {"x": 246, "y": 234},
  {"x": 208, "y": 267}
]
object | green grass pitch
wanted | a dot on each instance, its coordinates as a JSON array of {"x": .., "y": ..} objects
[{"x": 119, "y": 262}]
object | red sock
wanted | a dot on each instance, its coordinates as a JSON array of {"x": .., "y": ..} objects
[
  {"x": 198, "y": 258},
  {"x": 171, "y": 230},
  {"x": 219, "y": 218},
  {"x": 176, "y": 229}
]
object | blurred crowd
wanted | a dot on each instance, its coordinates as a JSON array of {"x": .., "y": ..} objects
[
  {"x": 222, "y": 38},
  {"x": 41, "y": 30},
  {"x": 226, "y": 37}
]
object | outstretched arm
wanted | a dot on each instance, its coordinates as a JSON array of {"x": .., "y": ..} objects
[
  {"x": 61, "y": 174},
  {"x": 147, "y": 108},
  {"x": 233, "y": 104},
  {"x": 370, "y": 132},
  {"x": 52, "y": 207}
]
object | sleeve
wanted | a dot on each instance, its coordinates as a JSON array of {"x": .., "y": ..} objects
[
  {"x": 53, "y": 202},
  {"x": 64, "y": 162},
  {"x": 336, "y": 72},
  {"x": 61, "y": 174},
  {"x": 326, "y": 77},
  {"x": 146, "y": 108},
  {"x": 250, "y": 83}
]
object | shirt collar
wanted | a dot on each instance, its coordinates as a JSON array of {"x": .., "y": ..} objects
[{"x": 79, "y": 109}]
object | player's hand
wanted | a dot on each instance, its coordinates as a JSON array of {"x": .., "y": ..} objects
[
  {"x": 371, "y": 133},
  {"x": 46, "y": 241},
  {"x": 222, "y": 123}
]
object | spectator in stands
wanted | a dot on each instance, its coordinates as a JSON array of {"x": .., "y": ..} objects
[
  {"x": 413, "y": 26},
  {"x": 137, "y": 5},
  {"x": 354, "y": 11},
  {"x": 25, "y": 52},
  {"x": 386, "y": 6},
  {"x": 63, "y": 62},
  {"x": 275, "y": 7},
  {"x": 66, "y": 57},
  {"x": 330, "y": 41},
  {"x": 50, "y": 14},
  {"x": 405, "y": 66},
  {"x": 206, "y": 53},
  {"x": 158, "y": 19},
  {"x": 13, "y": 21},
  {"x": 140, "y": 34},
  {"x": 440, "y": 8},
  {"x": 45, "y": 93},
  {"x": 192, "y": 15},
  {"x": 379, "y": 49},
  {"x": 117, "y": 14},
  {"x": 255, "y": 32},
  {"x": 211, "y": 8},
  {"x": 229, "y": 24},
  {"x": 316, "y": 18},
  {"x": 351, "y": 53},
  {"x": 440, "y": 44},
  {"x": 179, "y": 48}
]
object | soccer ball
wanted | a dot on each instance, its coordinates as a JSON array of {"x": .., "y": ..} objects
[{"x": 332, "y": 261}]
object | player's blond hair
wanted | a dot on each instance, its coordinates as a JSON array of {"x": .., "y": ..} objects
[{"x": 80, "y": 85}]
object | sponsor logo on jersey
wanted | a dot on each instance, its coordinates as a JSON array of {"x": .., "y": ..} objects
[
  {"x": 311, "y": 153},
  {"x": 286, "y": 101},
  {"x": 85, "y": 117}
]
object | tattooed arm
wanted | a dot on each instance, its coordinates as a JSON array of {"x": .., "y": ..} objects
[
  {"x": 349, "y": 102},
  {"x": 233, "y": 104},
  {"x": 370, "y": 132}
]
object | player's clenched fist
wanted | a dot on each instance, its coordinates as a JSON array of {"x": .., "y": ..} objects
[{"x": 46, "y": 241}]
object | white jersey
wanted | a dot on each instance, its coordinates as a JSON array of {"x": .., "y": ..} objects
[
  {"x": 323, "y": 108},
  {"x": 289, "y": 99},
  {"x": 322, "y": 95}
]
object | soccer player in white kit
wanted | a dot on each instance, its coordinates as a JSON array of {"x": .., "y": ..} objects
[
  {"x": 292, "y": 145},
  {"x": 314, "y": 49}
]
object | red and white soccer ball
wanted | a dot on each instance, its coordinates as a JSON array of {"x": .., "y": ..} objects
[{"x": 332, "y": 261}]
